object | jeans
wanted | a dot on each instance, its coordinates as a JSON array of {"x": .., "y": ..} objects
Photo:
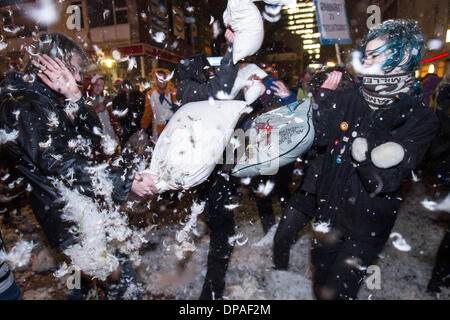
[{"x": 12, "y": 293}]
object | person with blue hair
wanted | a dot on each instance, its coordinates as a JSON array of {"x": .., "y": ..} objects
[{"x": 371, "y": 135}]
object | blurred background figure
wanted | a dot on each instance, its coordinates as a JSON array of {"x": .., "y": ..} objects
[
  {"x": 439, "y": 162},
  {"x": 303, "y": 84},
  {"x": 159, "y": 103},
  {"x": 429, "y": 84},
  {"x": 103, "y": 108}
]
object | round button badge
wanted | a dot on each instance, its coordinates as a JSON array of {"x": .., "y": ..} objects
[{"x": 344, "y": 126}]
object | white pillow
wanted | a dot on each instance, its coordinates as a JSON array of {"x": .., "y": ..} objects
[
  {"x": 242, "y": 78},
  {"x": 244, "y": 18},
  {"x": 193, "y": 142}
]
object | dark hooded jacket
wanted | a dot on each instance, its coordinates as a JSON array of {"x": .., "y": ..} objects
[
  {"x": 359, "y": 199},
  {"x": 439, "y": 153},
  {"x": 195, "y": 87},
  {"x": 51, "y": 146}
]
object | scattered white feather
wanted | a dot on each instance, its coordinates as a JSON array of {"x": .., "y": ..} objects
[
  {"x": 400, "y": 243},
  {"x": 53, "y": 120},
  {"x": 6, "y": 137},
  {"x": 235, "y": 239},
  {"x": 246, "y": 181},
  {"x": 109, "y": 144},
  {"x": 71, "y": 110},
  {"x": 414, "y": 176},
  {"x": 12, "y": 30},
  {"x": 19, "y": 255},
  {"x": 322, "y": 227},
  {"x": 183, "y": 236},
  {"x": 102, "y": 230},
  {"x": 266, "y": 188},
  {"x": 435, "y": 44},
  {"x": 216, "y": 29},
  {"x": 44, "y": 13},
  {"x": 159, "y": 37},
  {"x": 120, "y": 113},
  {"x": 106, "y": 13},
  {"x": 289, "y": 3},
  {"x": 444, "y": 205},
  {"x": 232, "y": 206},
  {"x": 46, "y": 144},
  {"x": 132, "y": 63},
  {"x": 62, "y": 271}
]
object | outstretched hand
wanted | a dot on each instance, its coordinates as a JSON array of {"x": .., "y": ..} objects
[
  {"x": 144, "y": 184},
  {"x": 280, "y": 89},
  {"x": 56, "y": 76},
  {"x": 332, "y": 81}
]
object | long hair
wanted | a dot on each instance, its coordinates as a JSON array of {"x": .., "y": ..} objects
[
  {"x": 402, "y": 37},
  {"x": 55, "y": 45}
]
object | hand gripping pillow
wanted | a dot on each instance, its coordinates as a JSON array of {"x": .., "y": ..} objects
[
  {"x": 244, "y": 18},
  {"x": 275, "y": 139},
  {"x": 242, "y": 78},
  {"x": 193, "y": 142}
]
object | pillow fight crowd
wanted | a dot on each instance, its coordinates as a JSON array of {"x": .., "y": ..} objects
[{"x": 370, "y": 132}]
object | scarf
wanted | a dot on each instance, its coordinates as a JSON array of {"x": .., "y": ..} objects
[{"x": 380, "y": 91}]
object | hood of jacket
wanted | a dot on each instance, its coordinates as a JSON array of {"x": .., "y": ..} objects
[{"x": 191, "y": 68}]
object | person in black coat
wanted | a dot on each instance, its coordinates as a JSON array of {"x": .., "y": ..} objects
[
  {"x": 52, "y": 134},
  {"x": 374, "y": 134},
  {"x": 300, "y": 209},
  {"x": 195, "y": 85},
  {"x": 220, "y": 193},
  {"x": 439, "y": 162}
]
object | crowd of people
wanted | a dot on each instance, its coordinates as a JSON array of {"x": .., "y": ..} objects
[{"x": 370, "y": 132}]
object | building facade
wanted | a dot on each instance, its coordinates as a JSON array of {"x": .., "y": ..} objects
[{"x": 128, "y": 37}]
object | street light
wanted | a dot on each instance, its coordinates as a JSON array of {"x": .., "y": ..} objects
[{"x": 108, "y": 63}]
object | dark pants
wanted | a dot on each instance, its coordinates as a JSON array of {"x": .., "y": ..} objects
[
  {"x": 13, "y": 293},
  {"x": 296, "y": 215},
  {"x": 441, "y": 270},
  {"x": 221, "y": 223},
  {"x": 340, "y": 263},
  {"x": 282, "y": 182}
]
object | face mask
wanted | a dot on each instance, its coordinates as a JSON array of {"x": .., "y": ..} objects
[{"x": 381, "y": 91}]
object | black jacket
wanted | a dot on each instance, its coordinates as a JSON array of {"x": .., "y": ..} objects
[
  {"x": 194, "y": 86},
  {"x": 360, "y": 199},
  {"x": 29, "y": 108},
  {"x": 438, "y": 157}
]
